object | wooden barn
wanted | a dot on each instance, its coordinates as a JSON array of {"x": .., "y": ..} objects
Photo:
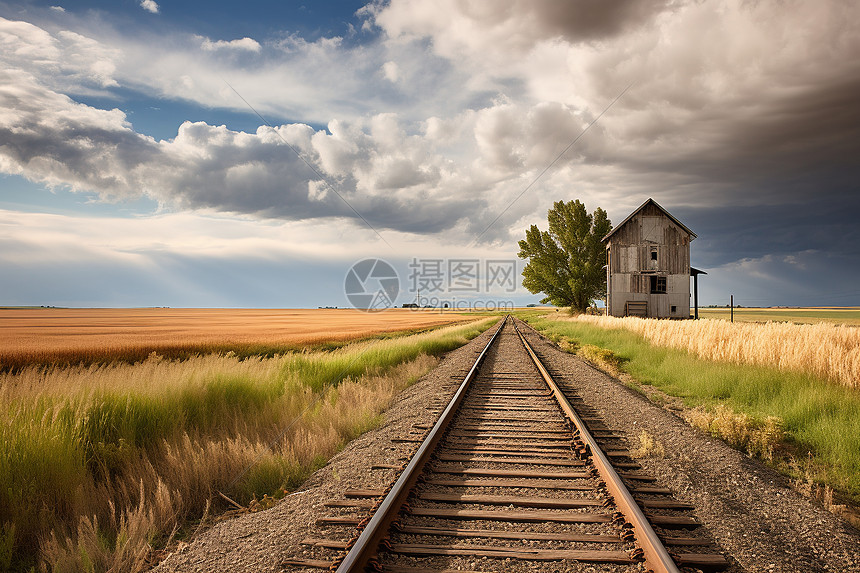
[{"x": 648, "y": 265}]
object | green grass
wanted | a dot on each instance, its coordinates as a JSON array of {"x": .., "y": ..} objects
[
  {"x": 818, "y": 416},
  {"x": 848, "y": 315},
  {"x": 319, "y": 369},
  {"x": 82, "y": 452}
]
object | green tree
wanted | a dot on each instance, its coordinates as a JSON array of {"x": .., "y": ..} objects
[{"x": 567, "y": 262}]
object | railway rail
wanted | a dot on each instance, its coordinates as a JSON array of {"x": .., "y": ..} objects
[{"x": 516, "y": 469}]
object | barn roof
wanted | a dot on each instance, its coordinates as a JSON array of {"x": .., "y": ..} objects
[{"x": 642, "y": 206}]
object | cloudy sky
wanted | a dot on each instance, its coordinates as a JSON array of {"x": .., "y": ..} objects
[{"x": 246, "y": 154}]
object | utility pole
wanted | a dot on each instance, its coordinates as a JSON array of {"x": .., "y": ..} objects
[{"x": 732, "y": 303}]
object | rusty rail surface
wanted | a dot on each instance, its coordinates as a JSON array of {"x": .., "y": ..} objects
[
  {"x": 366, "y": 546},
  {"x": 656, "y": 556}
]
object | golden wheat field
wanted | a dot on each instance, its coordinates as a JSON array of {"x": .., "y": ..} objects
[
  {"x": 44, "y": 335},
  {"x": 831, "y": 351}
]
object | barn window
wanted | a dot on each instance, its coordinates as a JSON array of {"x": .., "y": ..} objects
[
  {"x": 674, "y": 309},
  {"x": 658, "y": 285},
  {"x": 653, "y": 254}
]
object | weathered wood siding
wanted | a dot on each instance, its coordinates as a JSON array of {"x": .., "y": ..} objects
[{"x": 631, "y": 265}]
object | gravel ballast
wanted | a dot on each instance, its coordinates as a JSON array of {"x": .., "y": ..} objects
[{"x": 751, "y": 512}]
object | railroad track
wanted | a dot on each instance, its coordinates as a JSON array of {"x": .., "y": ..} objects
[{"x": 517, "y": 474}]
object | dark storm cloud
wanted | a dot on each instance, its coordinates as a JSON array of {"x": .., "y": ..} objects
[
  {"x": 587, "y": 19},
  {"x": 512, "y": 24},
  {"x": 818, "y": 128},
  {"x": 782, "y": 180},
  {"x": 814, "y": 132},
  {"x": 730, "y": 233}
]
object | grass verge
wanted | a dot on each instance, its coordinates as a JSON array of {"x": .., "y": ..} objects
[
  {"x": 806, "y": 426},
  {"x": 101, "y": 463}
]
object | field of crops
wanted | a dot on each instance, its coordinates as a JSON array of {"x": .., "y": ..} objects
[
  {"x": 107, "y": 457},
  {"x": 832, "y": 315},
  {"x": 828, "y": 351},
  {"x": 72, "y": 336}
]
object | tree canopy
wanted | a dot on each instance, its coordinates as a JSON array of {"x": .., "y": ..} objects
[{"x": 566, "y": 263}]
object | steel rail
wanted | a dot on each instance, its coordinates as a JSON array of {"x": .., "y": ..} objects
[
  {"x": 656, "y": 556},
  {"x": 366, "y": 545}
]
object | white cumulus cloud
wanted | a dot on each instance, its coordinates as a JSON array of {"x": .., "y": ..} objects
[
  {"x": 391, "y": 71},
  {"x": 66, "y": 61},
  {"x": 248, "y": 44},
  {"x": 149, "y": 6}
]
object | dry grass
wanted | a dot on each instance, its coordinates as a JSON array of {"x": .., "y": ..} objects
[
  {"x": 833, "y": 315},
  {"x": 827, "y": 351},
  {"x": 757, "y": 437},
  {"x": 602, "y": 357},
  {"x": 649, "y": 447},
  {"x": 74, "y": 336},
  {"x": 118, "y": 524},
  {"x": 100, "y": 463}
]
